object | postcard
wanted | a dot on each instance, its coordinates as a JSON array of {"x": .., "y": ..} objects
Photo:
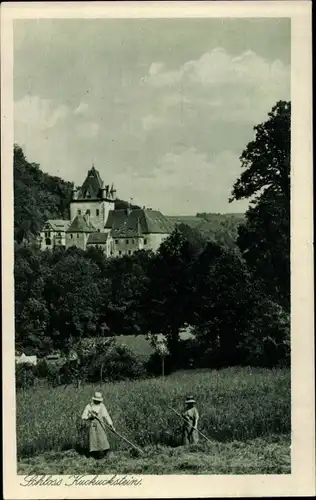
[{"x": 157, "y": 243}]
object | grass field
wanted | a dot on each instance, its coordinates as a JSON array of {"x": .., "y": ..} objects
[
  {"x": 258, "y": 456},
  {"x": 245, "y": 412},
  {"x": 141, "y": 346}
]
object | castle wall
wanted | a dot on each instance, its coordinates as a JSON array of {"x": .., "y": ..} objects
[
  {"x": 124, "y": 246},
  {"x": 78, "y": 240},
  {"x": 50, "y": 239},
  {"x": 153, "y": 241},
  {"x": 127, "y": 246},
  {"x": 99, "y": 211}
]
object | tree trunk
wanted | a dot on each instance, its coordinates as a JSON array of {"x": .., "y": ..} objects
[{"x": 173, "y": 343}]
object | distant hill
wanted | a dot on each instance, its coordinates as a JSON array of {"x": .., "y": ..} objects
[{"x": 222, "y": 228}]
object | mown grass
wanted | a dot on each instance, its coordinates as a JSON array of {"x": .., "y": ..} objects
[
  {"x": 260, "y": 456},
  {"x": 234, "y": 404}
]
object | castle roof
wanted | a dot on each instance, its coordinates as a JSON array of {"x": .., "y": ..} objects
[
  {"x": 91, "y": 188},
  {"x": 133, "y": 223},
  {"x": 97, "y": 238},
  {"x": 81, "y": 225},
  {"x": 58, "y": 224}
]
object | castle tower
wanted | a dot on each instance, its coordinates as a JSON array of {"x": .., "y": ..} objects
[{"x": 93, "y": 199}]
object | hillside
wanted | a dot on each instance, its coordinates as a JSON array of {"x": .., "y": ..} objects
[
  {"x": 37, "y": 197},
  {"x": 222, "y": 228}
]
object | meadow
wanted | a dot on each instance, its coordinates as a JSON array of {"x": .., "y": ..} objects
[{"x": 237, "y": 407}]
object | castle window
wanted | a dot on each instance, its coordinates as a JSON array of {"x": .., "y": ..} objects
[
  {"x": 97, "y": 212},
  {"x": 59, "y": 234},
  {"x": 79, "y": 211},
  {"x": 47, "y": 234},
  {"x": 145, "y": 241},
  {"x": 116, "y": 241},
  {"x": 120, "y": 252},
  {"x": 88, "y": 212},
  {"x": 133, "y": 241},
  {"x": 129, "y": 252},
  {"x": 48, "y": 241},
  {"x": 71, "y": 235},
  {"x": 77, "y": 235},
  {"x": 127, "y": 242}
]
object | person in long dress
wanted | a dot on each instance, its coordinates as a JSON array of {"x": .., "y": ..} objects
[
  {"x": 191, "y": 415},
  {"x": 96, "y": 414}
]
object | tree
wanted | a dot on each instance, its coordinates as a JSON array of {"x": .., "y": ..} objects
[
  {"x": 264, "y": 239},
  {"x": 222, "y": 303},
  {"x": 267, "y": 339},
  {"x": 193, "y": 237},
  {"x": 125, "y": 284},
  {"x": 31, "y": 313},
  {"x": 168, "y": 299},
  {"x": 72, "y": 292}
]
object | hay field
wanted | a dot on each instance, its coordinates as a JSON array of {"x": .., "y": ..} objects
[{"x": 237, "y": 405}]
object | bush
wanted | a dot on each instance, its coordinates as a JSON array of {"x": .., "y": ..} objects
[
  {"x": 267, "y": 342},
  {"x": 117, "y": 363},
  {"x": 53, "y": 375},
  {"x": 111, "y": 363},
  {"x": 42, "y": 369},
  {"x": 25, "y": 376}
]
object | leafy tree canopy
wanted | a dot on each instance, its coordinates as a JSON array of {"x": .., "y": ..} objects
[{"x": 264, "y": 239}]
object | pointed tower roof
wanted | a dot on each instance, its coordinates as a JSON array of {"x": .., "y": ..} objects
[
  {"x": 81, "y": 225},
  {"x": 92, "y": 185}
]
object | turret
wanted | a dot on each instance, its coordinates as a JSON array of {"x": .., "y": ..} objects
[
  {"x": 113, "y": 192},
  {"x": 74, "y": 192},
  {"x": 103, "y": 191}
]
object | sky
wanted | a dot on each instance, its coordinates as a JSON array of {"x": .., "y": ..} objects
[{"x": 162, "y": 107}]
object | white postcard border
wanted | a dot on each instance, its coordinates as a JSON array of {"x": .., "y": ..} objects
[{"x": 302, "y": 479}]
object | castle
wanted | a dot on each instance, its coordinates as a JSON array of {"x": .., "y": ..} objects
[{"x": 94, "y": 222}]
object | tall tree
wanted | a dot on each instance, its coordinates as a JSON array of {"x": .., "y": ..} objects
[
  {"x": 125, "y": 283},
  {"x": 169, "y": 295},
  {"x": 222, "y": 302},
  {"x": 72, "y": 293},
  {"x": 31, "y": 314},
  {"x": 264, "y": 239}
]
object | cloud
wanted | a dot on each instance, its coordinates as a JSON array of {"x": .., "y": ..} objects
[
  {"x": 150, "y": 121},
  {"x": 156, "y": 68},
  {"x": 219, "y": 67},
  {"x": 38, "y": 113},
  {"x": 88, "y": 129},
  {"x": 183, "y": 183},
  {"x": 81, "y": 108},
  {"x": 218, "y": 86}
]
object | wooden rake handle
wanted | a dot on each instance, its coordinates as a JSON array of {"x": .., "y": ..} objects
[{"x": 119, "y": 435}]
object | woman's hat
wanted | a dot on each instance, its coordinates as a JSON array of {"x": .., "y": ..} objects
[
  {"x": 97, "y": 396},
  {"x": 190, "y": 399}
]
